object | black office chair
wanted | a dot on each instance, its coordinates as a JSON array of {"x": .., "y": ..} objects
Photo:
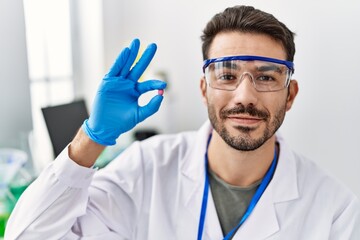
[{"x": 63, "y": 121}]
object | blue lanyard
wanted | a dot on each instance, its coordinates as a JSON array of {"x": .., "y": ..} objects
[{"x": 264, "y": 183}]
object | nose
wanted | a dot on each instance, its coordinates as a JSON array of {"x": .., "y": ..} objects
[
  {"x": 247, "y": 76},
  {"x": 245, "y": 93}
]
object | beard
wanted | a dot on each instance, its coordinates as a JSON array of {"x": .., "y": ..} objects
[{"x": 243, "y": 141}]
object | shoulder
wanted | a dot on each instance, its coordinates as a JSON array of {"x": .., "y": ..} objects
[
  {"x": 321, "y": 188},
  {"x": 313, "y": 194},
  {"x": 321, "y": 180},
  {"x": 332, "y": 199},
  {"x": 310, "y": 176}
]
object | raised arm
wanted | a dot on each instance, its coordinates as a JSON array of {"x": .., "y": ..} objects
[{"x": 54, "y": 204}]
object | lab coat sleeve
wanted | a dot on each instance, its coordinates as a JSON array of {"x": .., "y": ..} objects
[
  {"x": 347, "y": 224},
  {"x": 51, "y": 204}
]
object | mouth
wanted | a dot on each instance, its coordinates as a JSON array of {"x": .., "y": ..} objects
[
  {"x": 244, "y": 117},
  {"x": 245, "y": 120}
]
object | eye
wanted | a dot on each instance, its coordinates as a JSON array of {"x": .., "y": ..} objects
[
  {"x": 265, "y": 78},
  {"x": 227, "y": 77}
]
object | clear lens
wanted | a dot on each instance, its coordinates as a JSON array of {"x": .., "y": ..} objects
[{"x": 265, "y": 76}]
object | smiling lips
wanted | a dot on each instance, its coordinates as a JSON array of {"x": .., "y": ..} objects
[{"x": 245, "y": 120}]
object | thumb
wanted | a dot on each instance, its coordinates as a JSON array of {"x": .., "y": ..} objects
[
  {"x": 150, "y": 108},
  {"x": 149, "y": 85}
]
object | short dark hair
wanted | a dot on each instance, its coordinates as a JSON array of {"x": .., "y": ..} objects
[{"x": 247, "y": 19}]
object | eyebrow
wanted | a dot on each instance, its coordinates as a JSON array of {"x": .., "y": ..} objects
[
  {"x": 229, "y": 64},
  {"x": 269, "y": 67},
  {"x": 262, "y": 68}
]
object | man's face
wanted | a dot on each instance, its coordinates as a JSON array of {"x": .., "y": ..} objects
[{"x": 245, "y": 118}]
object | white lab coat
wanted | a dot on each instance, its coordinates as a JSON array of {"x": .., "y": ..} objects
[{"x": 154, "y": 191}]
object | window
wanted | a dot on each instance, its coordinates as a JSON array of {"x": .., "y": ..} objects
[{"x": 48, "y": 34}]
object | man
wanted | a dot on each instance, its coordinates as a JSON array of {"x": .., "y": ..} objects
[{"x": 233, "y": 179}]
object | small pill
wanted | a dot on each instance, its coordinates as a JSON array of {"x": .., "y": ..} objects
[{"x": 161, "y": 92}]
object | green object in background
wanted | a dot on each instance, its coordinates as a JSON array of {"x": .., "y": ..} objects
[
  {"x": 6, "y": 205},
  {"x": 9, "y": 194},
  {"x": 11, "y": 163},
  {"x": 19, "y": 183},
  {"x": 17, "y": 190},
  {"x": 3, "y": 220}
]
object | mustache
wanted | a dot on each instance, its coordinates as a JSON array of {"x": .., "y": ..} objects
[{"x": 241, "y": 109}]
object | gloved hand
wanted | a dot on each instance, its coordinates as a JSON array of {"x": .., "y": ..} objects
[{"x": 115, "y": 108}]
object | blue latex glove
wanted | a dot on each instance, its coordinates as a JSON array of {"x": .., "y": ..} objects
[{"x": 115, "y": 109}]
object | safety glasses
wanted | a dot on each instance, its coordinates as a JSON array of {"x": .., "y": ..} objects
[{"x": 266, "y": 74}]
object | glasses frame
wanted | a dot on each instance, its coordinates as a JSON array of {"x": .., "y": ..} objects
[{"x": 288, "y": 64}]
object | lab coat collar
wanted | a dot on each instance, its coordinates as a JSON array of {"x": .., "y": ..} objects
[
  {"x": 285, "y": 177},
  {"x": 193, "y": 163},
  {"x": 262, "y": 222}
]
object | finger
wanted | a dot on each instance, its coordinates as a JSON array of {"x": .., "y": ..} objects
[
  {"x": 151, "y": 108},
  {"x": 119, "y": 63},
  {"x": 144, "y": 61},
  {"x": 134, "y": 49},
  {"x": 150, "y": 85}
]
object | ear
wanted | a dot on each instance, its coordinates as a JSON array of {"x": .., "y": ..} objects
[
  {"x": 203, "y": 89},
  {"x": 293, "y": 90}
]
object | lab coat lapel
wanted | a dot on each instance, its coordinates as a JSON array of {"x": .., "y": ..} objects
[
  {"x": 263, "y": 222},
  {"x": 191, "y": 193},
  {"x": 190, "y": 207},
  {"x": 189, "y": 213},
  {"x": 212, "y": 229}
]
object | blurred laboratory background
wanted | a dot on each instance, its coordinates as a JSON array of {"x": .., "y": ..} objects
[{"x": 55, "y": 52}]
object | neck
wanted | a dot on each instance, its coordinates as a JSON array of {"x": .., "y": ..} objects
[{"x": 240, "y": 168}]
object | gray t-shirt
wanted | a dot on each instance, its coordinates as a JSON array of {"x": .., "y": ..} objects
[{"x": 230, "y": 201}]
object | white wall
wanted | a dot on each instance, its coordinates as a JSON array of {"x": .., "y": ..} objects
[
  {"x": 15, "y": 110},
  {"x": 323, "y": 123}
]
